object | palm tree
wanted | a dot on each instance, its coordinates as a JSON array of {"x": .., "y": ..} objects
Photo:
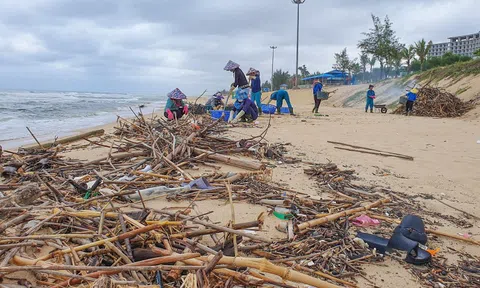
[
  {"x": 408, "y": 54},
  {"x": 422, "y": 49}
]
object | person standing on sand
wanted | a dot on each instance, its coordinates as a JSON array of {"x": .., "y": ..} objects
[
  {"x": 240, "y": 81},
  {"x": 247, "y": 110},
  {"x": 215, "y": 102},
  {"x": 370, "y": 98},
  {"x": 279, "y": 96},
  {"x": 411, "y": 98},
  {"x": 175, "y": 107},
  {"x": 255, "y": 83},
  {"x": 317, "y": 89}
]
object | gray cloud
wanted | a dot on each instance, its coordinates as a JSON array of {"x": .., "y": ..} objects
[{"x": 156, "y": 45}]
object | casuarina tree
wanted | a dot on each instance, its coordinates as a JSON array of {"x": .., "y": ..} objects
[{"x": 380, "y": 41}]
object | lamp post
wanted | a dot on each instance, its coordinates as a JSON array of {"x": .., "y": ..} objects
[
  {"x": 273, "y": 59},
  {"x": 298, "y": 2}
]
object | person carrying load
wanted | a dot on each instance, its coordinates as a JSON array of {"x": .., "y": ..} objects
[
  {"x": 215, "y": 102},
  {"x": 317, "y": 90},
  {"x": 279, "y": 96},
  {"x": 245, "y": 109},
  {"x": 411, "y": 98},
  {"x": 175, "y": 107}
]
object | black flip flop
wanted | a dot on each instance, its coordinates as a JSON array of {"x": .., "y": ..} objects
[{"x": 408, "y": 236}]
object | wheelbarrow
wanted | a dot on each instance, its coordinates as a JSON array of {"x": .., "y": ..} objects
[{"x": 381, "y": 107}]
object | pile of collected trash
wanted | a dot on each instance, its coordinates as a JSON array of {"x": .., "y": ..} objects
[{"x": 436, "y": 102}]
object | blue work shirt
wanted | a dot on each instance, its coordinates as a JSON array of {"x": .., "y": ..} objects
[
  {"x": 411, "y": 96},
  {"x": 256, "y": 84},
  {"x": 318, "y": 87},
  {"x": 370, "y": 94},
  {"x": 280, "y": 94}
]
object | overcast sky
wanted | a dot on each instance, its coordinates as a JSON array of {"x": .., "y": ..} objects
[{"x": 154, "y": 46}]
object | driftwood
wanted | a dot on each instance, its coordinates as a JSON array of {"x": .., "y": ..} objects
[
  {"x": 66, "y": 140},
  {"x": 230, "y": 160},
  {"x": 382, "y": 153}
]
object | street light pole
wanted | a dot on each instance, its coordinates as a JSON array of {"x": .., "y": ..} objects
[
  {"x": 298, "y": 2},
  {"x": 273, "y": 59}
]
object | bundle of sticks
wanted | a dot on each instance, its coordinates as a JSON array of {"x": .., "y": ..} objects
[{"x": 436, "y": 102}]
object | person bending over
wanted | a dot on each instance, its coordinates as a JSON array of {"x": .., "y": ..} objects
[
  {"x": 245, "y": 109},
  {"x": 279, "y": 96}
]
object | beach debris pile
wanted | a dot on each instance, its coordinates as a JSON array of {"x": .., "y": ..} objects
[
  {"x": 96, "y": 223},
  {"x": 436, "y": 102}
]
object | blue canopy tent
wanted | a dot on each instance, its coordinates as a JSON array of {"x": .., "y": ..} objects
[{"x": 333, "y": 77}]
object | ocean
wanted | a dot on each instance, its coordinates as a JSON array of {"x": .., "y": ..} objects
[{"x": 50, "y": 114}]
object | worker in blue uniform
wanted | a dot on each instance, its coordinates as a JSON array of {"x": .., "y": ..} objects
[
  {"x": 370, "y": 98},
  {"x": 411, "y": 98},
  {"x": 279, "y": 96}
]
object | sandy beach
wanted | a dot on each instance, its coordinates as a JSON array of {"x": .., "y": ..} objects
[{"x": 445, "y": 168}]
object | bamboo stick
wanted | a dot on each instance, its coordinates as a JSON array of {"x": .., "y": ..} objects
[
  {"x": 377, "y": 153},
  {"x": 333, "y": 217},
  {"x": 211, "y": 225},
  {"x": 118, "y": 156},
  {"x": 264, "y": 265},
  {"x": 250, "y": 165},
  {"x": 232, "y": 208},
  {"x": 121, "y": 237},
  {"x": 67, "y": 140},
  {"x": 146, "y": 265}
]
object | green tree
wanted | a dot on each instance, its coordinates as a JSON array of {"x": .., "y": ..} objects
[
  {"x": 372, "y": 63},
  {"x": 355, "y": 67},
  {"x": 281, "y": 77},
  {"x": 477, "y": 53},
  {"x": 379, "y": 41},
  {"x": 303, "y": 72},
  {"x": 266, "y": 84},
  {"x": 422, "y": 49},
  {"x": 364, "y": 61},
  {"x": 408, "y": 54},
  {"x": 342, "y": 61}
]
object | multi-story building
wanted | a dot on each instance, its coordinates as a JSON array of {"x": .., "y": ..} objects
[{"x": 461, "y": 45}]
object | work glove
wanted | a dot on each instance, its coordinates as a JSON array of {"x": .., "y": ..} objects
[
  {"x": 185, "y": 109},
  {"x": 239, "y": 116},
  {"x": 169, "y": 114},
  {"x": 230, "y": 118}
]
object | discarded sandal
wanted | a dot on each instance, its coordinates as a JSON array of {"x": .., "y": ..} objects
[{"x": 409, "y": 236}]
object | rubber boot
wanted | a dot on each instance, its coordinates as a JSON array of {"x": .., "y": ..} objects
[
  {"x": 278, "y": 110},
  {"x": 260, "y": 111},
  {"x": 371, "y": 110},
  {"x": 316, "y": 110},
  {"x": 291, "y": 111}
]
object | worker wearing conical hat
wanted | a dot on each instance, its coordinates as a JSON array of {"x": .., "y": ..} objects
[
  {"x": 240, "y": 81},
  {"x": 176, "y": 107}
]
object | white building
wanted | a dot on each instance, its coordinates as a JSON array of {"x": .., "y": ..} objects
[{"x": 462, "y": 45}]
